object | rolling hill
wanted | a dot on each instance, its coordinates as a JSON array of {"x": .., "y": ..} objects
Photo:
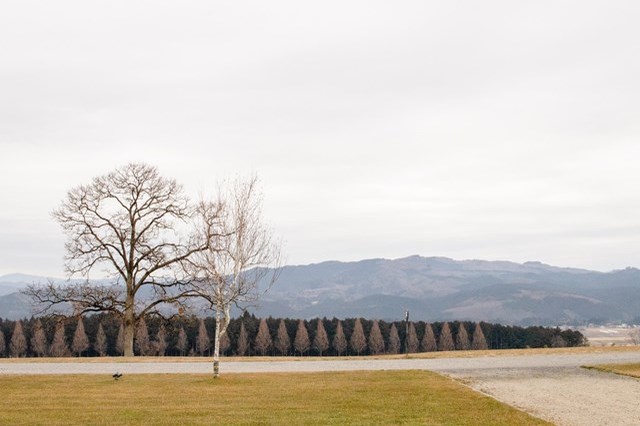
[{"x": 437, "y": 288}]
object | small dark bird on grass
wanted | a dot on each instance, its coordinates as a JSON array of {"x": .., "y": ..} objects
[{"x": 117, "y": 375}]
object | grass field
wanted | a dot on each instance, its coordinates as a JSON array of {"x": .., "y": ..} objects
[
  {"x": 381, "y": 397},
  {"x": 632, "y": 370}
]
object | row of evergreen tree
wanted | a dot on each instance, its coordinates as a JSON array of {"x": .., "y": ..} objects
[{"x": 102, "y": 335}]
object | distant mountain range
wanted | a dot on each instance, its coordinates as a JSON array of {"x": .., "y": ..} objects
[{"x": 432, "y": 289}]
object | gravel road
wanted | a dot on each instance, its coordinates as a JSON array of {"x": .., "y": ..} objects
[
  {"x": 556, "y": 389},
  {"x": 552, "y": 387},
  {"x": 564, "y": 396}
]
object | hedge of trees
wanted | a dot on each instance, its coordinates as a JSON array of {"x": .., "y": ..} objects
[{"x": 101, "y": 335}]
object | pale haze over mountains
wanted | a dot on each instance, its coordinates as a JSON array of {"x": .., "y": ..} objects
[{"x": 432, "y": 289}]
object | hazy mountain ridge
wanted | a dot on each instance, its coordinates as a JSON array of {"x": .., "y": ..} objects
[{"x": 439, "y": 288}]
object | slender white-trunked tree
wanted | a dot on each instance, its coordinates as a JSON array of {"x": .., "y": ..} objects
[{"x": 242, "y": 262}]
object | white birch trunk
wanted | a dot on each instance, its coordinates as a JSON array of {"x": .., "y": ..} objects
[
  {"x": 216, "y": 347},
  {"x": 221, "y": 327}
]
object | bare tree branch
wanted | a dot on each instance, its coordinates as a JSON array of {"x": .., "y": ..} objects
[
  {"x": 139, "y": 228},
  {"x": 240, "y": 258}
]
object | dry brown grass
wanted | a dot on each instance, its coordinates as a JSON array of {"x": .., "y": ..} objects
[
  {"x": 631, "y": 370},
  {"x": 398, "y": 397}
]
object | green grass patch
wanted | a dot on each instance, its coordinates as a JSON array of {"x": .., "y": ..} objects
[
  {"x": 378, "y": 397},
  {"x": 632, "y": 370}
]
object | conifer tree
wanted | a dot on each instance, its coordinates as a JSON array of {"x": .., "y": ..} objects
[
  {"x": 301, "y": 341},
  {"x": 393, "y": 346},
  {"x": 3, "y": 345},
  {"x": 203, "y": 341},
  {"x": 263, "y": 340},
  {"x": 446, "y": 340},
  {"x": 283, "y": 342},
  {"x": 38, "y": 340},
  {"x": 558, "y": 342},
  {"x": 100, "y": 345},
  {"x": 462, "y": 338},
  {"x": 142, "y": 342},
  {"x": 80, "y": 342},
  {"x": 18, "y": 343},
  {"x": 479, "y": 342},
  {"x": 412, "y": 339},
  {"x": 376, "y": 342},
  {"x": 321, "y": 340},
  {"x": 225, "y": 343},
  {"x": 429, "y": 339},
  {"x": 357, "y": 341},
  {"x": 243, "y": 340},
  {"x": 161, "y": 341},
  {"x": 120, "y": 340},
  {"x": 339, "y": 340},
  {"x": 182, "y": 343},
  {"x": 59, "y": 346}
]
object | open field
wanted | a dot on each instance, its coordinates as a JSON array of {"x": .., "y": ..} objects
[
  {"x": 398, "y": 397},
  {"x": 547, "y": 383},
  {"x": 608, "y": 336}
]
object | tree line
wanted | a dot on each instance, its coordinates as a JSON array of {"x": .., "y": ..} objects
[{"x": 102, "y": 335}]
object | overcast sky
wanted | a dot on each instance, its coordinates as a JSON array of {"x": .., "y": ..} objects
[{"x": 489, "y": 130}]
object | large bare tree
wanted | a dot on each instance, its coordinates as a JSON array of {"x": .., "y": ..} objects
[
  {"x": 139, "y": 229},
  {"x": 242, "y": 261}
]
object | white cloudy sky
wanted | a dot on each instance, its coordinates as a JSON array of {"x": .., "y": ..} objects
[{"x": 493, "y": 130}]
